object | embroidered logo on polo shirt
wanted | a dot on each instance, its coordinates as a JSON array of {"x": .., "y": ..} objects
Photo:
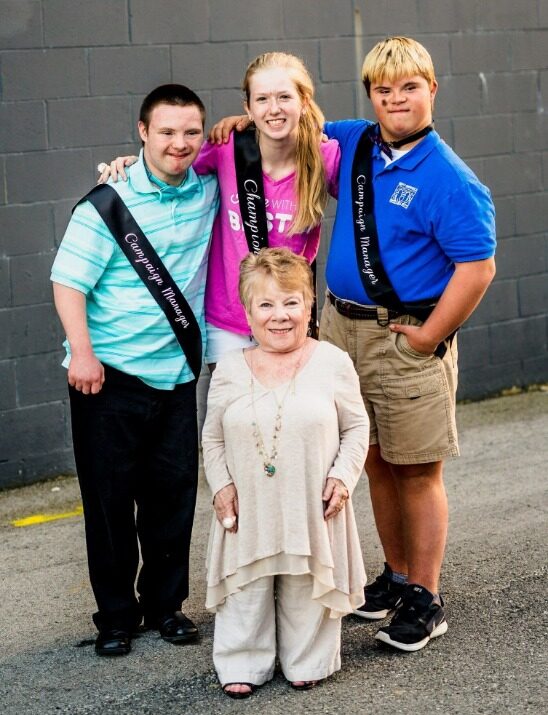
[{"x": 403, "y": 195}]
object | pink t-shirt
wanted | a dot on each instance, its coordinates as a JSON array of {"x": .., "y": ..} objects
[{"x": 228, "y": 243}]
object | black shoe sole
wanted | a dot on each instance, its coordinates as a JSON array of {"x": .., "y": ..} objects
[
  {"x": 181, "y": 640},
  {"x": 112, "y": 651}
]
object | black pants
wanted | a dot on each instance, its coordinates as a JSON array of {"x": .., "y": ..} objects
[{"x": 136, "y": 446}]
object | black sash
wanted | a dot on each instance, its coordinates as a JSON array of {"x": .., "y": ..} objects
[
  {"x": 375, "y": 280},
  {"x": 251, "y": 197},
  {"x": 249, "y": 178},
  {"x": 151, "y": 271}
]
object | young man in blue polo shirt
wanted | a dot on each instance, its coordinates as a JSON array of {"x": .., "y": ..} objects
[
  {"x": 132, "y": 390},
  {"x": 436, "y": 242}
]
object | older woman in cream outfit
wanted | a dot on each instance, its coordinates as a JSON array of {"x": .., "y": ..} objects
[{"x": 284, "y": 443}]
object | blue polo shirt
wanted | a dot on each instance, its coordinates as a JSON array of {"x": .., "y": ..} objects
[
  {"x": 128, "y": 329},
  {"x": 431, "y": 212}
]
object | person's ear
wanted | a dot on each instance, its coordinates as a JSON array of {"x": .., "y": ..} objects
[
  {"x": 433, "y": 91},
  {"x": 142, "y": 131}
]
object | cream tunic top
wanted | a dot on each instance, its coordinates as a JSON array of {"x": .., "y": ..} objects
[{"x": 281, "y": 529}]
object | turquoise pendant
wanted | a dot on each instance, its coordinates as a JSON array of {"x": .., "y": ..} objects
[{"x": 269, "y": 470}]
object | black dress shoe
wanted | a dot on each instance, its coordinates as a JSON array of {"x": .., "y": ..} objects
[
  {"x": 113, "y": 642},
  {"x": 177, "y": 628}
]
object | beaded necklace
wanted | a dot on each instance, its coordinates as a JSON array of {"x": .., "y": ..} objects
[{"x": 268, "y": 460}]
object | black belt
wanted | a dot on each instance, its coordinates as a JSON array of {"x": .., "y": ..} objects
[
  {"x": 362, "y": 312},
  {"x": 380, "y": 314}
]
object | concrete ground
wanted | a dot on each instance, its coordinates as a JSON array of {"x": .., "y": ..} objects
[{"x": 492, "y": 660}]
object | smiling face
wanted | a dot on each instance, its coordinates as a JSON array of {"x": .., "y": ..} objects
[
  {"x": 274, "y": 103},
  {"x": 172, "y": 140},
  {"x": 278, "y": 318},
  {"x": 403, "y": 106}
]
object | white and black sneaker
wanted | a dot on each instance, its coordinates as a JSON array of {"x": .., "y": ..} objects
[
  {"x": 417, "y": 620},
  {"x": 382, "y": 597}
]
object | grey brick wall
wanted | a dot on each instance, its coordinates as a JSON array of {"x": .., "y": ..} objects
[{"x": 73, "y": 75}]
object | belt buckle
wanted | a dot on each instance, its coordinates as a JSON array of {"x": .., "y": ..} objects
[{"x": 383, "y": 319}]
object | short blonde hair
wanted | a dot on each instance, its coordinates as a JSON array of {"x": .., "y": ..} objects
[
  {"x": 310, "y": 179},
  {"x": 394, "y": 58},
  {"x": 291, "y": 273}
]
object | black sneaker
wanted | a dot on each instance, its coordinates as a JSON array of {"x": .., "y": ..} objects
[
  {"x": 416, "y": 621},
  {"x": 382, "y": 597}
]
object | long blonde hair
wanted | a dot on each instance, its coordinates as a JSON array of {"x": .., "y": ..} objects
[{"x": 310, "y": 180}]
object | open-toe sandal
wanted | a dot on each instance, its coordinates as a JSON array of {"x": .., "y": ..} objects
[
  {"x": 239, "y": 696},
  {"x": 306, "y": 685}
]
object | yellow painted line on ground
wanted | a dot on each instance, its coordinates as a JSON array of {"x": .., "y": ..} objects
[{"x": 43, "y": 518}]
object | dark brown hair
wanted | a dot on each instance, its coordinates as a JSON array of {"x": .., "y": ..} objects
[{"x": 175, "y": 94}]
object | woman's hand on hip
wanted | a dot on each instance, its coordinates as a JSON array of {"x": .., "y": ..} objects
[
  {"x": 225, "y": 503},
  {"x": 335, "y": 495}
]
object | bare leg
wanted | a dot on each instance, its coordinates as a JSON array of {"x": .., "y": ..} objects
[
  {"x": 423, "y": 506},
  {"x": 410, "y": 509},
  {"x": 386, "y": 509}
]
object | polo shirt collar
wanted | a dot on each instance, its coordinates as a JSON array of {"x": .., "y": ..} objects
[
  {"x": 413, "y": 158},
  {"x": 143, "y": 182}
]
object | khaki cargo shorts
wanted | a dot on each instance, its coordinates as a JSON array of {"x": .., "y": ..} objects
[{"x": 410, "y": 397}]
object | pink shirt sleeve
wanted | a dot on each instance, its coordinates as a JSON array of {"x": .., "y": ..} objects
[
  {"x": 207, "y": 160},
  {"x": 331, "y": 153}
]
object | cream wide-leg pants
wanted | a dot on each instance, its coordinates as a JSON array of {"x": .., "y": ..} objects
[{"x": 275, "y": 615}]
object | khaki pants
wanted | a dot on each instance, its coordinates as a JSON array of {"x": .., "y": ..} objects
[
  {"x": 409, "y": 397},
  {"x": 275, "y": 611}
]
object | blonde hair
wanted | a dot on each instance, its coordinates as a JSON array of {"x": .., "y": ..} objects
[
  {"x": 290, "y": 271},
  {"x": 394, "y": 58},
  {"x": 310, "y": 181}
]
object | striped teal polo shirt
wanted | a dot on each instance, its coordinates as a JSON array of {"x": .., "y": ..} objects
[{"x": 128, "y": 329}]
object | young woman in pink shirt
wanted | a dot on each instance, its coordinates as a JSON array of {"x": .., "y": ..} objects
[{"x": 298, "y": 171}]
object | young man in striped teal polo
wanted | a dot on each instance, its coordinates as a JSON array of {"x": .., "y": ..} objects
[{"x": 132, "y": 391}]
